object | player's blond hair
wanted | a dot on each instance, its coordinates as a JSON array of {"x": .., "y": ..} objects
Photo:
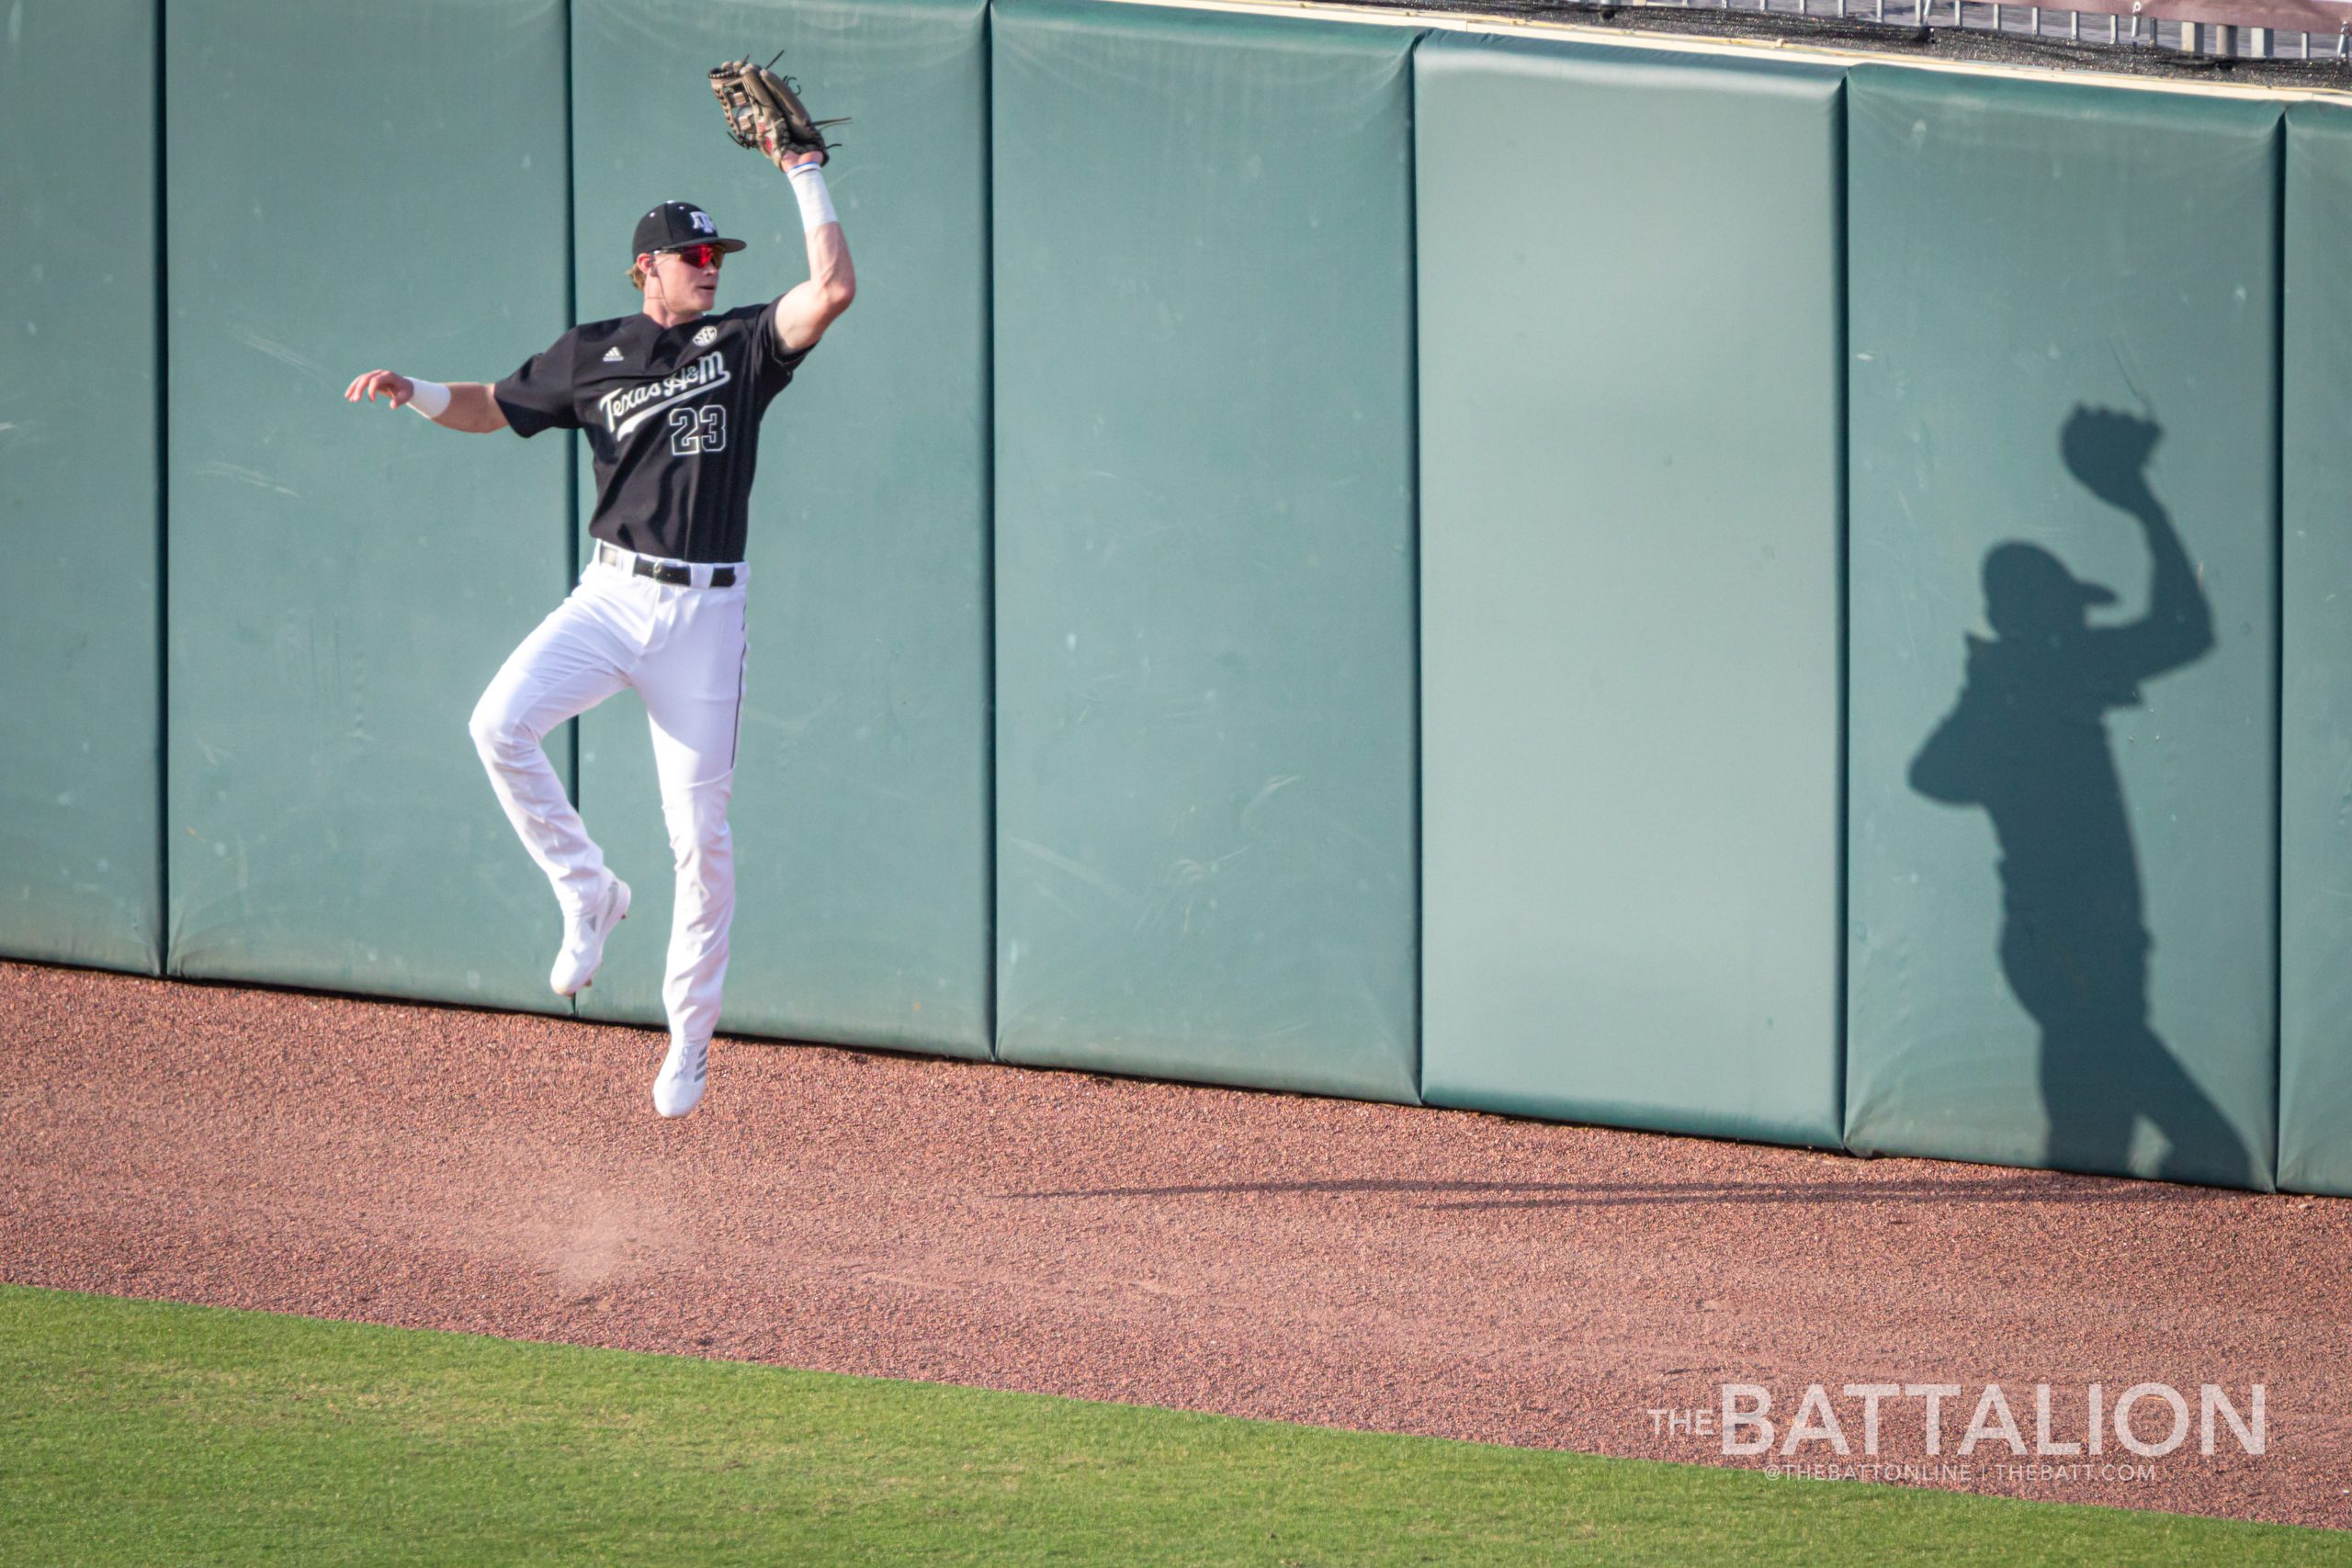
[{"x": 636, "y": 276}]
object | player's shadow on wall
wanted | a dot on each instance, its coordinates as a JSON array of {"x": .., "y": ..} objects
[{"x": 2028, "y": 742}]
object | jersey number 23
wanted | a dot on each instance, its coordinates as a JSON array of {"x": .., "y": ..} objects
[{"x": 697, "y": 430}]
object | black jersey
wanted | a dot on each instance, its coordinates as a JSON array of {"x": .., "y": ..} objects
[{"x": 672, "y": 417}]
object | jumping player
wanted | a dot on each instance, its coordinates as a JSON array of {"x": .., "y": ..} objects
[{"x": 670, "y": 399}]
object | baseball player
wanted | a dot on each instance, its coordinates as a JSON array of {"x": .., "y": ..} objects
[{"x": 670, "y": 399}]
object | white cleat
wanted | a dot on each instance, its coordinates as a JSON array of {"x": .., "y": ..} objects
[
  {"x": 678, "y": 1089},
  {"x": 583, "y": 941}
]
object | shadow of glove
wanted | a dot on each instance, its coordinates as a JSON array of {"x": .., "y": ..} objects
[{"x": 2108, "y": 450}]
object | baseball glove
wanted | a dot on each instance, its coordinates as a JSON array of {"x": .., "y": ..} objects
[{"x": 764, "y": 111}]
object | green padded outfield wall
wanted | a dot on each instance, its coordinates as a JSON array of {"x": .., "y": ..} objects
[
  {"x": 80, "y": 871},
  {"x": 1632, "y": 451},
  {"x": 343, "y": 580},
  {"x": 2062, "y": 799},
  {"x": 2315, "y": 897},
  {"x": 1204, "y": 535},
  {"x": 860, "y": 811}
]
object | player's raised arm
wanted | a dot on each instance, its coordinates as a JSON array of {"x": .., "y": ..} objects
[
  {"x": 806, "y": 309},
  {"x": 764, "y": 114},
  {"x": 460, "y": 405}
]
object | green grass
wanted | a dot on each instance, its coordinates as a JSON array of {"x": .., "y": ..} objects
[{"x": 150, "y": 1433}]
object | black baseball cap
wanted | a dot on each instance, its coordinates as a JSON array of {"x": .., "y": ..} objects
[{"x": 675, "y": 223}]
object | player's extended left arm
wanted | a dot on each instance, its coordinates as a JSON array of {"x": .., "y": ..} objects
[{"x": 808, "y": 308}]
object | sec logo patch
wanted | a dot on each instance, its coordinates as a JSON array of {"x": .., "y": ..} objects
[{"x": 706, "y": 338}]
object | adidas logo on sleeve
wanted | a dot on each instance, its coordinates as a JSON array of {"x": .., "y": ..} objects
[{"x": 612, "y": 355}]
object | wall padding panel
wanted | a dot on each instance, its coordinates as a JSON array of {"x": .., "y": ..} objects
[
  {"x": 1204, "y": 545},
  {"x": 2062, "y": 794},
  {"x": 2316, "y": 991},
  {"x": 1630, "y": 567},
  {"x": 80, "y": 757},
  {"x": 345, "y": 579},
  {"x": 860, "y": 811}
]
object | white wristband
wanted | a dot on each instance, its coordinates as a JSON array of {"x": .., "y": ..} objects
[
  {"x": 816, "y": 201},
  {"x": 429, "y": 398}
]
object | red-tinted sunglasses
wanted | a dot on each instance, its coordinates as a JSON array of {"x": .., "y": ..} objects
[{"x": 699, "y": 255}]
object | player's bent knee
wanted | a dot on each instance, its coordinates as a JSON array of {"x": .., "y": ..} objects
[
  {"x": 497, "y": 736},
  {"x": 485, "y": 727}
]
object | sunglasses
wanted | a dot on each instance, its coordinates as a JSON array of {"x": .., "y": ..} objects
[{"x": 699, "y": 255}]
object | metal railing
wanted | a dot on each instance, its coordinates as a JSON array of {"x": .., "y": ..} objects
[{"x": 2315, "y": 30}]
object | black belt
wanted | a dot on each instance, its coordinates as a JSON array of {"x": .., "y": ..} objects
[{"x": 675, "y": 575}]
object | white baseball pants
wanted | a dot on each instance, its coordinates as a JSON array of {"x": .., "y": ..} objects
[{"x": 682, "y": 650}]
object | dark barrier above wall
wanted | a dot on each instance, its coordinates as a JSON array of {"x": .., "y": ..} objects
[
  {"x": 2315, "y": 989},
  {"x": 1204, "y": 523},
  {"x": 1631, "y": 453},
  {"x": 2061, "y": 840},
  {"x": 860, "y": 810},
  {"x": 80, "y": 873},
  {"x": 343, "y": 580}
]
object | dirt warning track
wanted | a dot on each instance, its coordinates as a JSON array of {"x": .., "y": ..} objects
[{"x": 1258, "y": 1255}]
